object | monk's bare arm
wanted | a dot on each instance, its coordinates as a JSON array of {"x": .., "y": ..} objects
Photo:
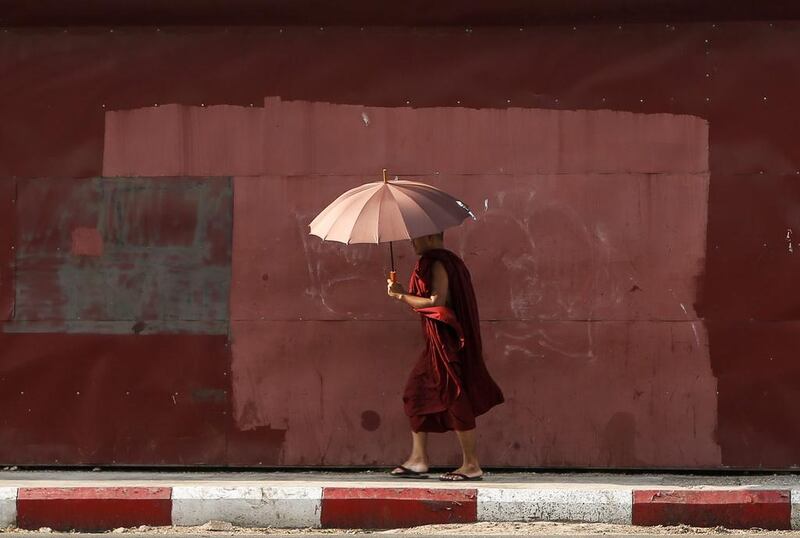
[{"x": 438, "y": 291}]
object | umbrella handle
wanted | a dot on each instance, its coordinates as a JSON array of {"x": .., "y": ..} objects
[{"x": 392, "y": 273}]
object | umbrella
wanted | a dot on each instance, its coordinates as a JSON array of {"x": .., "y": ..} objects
[{"x": 386, "y": 211}]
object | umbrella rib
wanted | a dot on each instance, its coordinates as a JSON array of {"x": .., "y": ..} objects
[
  {"x": 378, "y": 220},
  {"x": 445, "y": 205},
  {"x": 358, "y": 216},
  {"x": 339, "y": 199},
  {"x": 405, "y": 225},
  {"x": 349, "y": 202},
  {"x": 423, "y": 212}
]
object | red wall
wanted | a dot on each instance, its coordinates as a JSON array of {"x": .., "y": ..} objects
[{"x": 635, "y": 186}]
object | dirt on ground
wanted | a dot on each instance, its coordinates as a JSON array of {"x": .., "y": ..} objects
[{"x": 556, "y": 528}]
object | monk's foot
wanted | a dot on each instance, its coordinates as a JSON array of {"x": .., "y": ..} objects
[
  {"x": 470, "y": 471},
  {"x": 415, "y": 466}
]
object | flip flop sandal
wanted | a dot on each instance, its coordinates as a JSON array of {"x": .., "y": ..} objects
[
  {"x": 458, "y": 477},
  {"x": 407, "y": 473}
]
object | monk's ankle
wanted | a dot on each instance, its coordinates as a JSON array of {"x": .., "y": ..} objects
[
  {"x": 471, "y": 466},
  {"x": 417, "y": 462}
]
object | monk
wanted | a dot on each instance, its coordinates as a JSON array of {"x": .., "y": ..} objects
[{"x": 449, "y": 385}]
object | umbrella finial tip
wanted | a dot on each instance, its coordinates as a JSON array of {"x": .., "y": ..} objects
[{"x": 384, "y": 175}]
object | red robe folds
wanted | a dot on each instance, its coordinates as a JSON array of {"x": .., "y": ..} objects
[{"x": 449, "y": 386}]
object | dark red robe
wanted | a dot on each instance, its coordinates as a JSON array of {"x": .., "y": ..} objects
[{"x": 449, "y": 385}]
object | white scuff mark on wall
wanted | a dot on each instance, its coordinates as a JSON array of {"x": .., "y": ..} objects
[
  {"x": 515, "y": 336},
  {"x": 601, "y": 234},
  {"x": 329, "y": 283},
  {"x": 356, "y": 255},
  {"x": 365, "y": 119},
  {"x": 789, "y": 240},
  {"x": 509, "y": 348},
  {"x": 536, "y": 344},
  {"x": 316, "y": 289},
  {"x": 524, "y": 298},
  {"x": 694, "y": 329},
  {"x": 321, "y": 289},
  {"x": 525, "y": 293},
  {"x": 550, "y": 344}
]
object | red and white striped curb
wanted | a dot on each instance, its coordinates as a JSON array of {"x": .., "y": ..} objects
[
  {"x": 374, "y": 508},
  {"x": 91, "y": 508},
  {"x": 736, "y": 509},
  {"x": 8, "y": 507},
  {"x": 284, "y": 506},
  {"x": 537, "y": 504},
  {"x": 102, "y": 508}
]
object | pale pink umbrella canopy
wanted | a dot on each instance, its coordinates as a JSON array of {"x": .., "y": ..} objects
[{"x": 388, "y": 211}]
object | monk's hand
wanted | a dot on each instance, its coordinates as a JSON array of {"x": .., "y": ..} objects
[{"x": 394, "y": 289}]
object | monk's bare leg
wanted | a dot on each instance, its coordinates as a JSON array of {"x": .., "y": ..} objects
[
  {"x": 418, "y": 461},
  {"x": 470, "y": 466}
]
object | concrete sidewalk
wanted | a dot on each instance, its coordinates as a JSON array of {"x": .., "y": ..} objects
[{"x": 85, "y": 500}]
